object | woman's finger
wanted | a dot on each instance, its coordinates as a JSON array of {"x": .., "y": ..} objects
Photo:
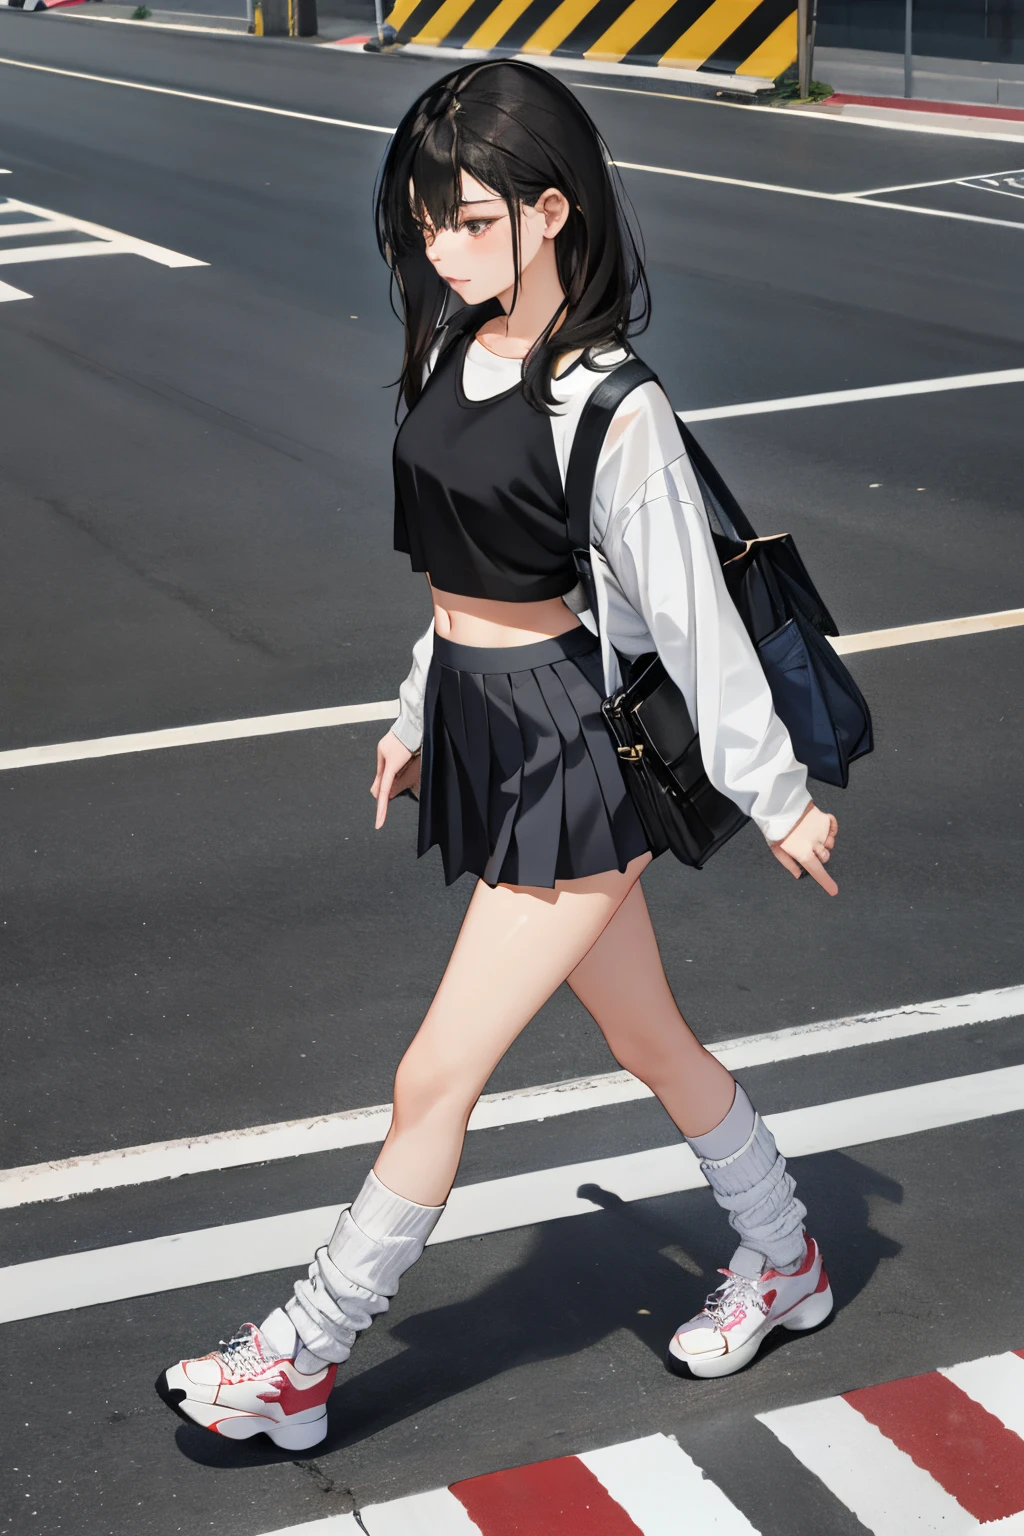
[
  {"x": 375, "y": 786},
  {"x": 383, "y": 796},
  {"x": 817, "y": 872}
]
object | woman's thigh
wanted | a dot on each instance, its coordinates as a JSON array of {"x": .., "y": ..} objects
[{"x": 515, "y": 946}]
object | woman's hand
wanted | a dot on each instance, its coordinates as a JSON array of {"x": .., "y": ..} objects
[
  {"x": 397, "y": 769},
  {"x": 808, "y": 846}
]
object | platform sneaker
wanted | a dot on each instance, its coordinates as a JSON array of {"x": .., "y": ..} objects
[
  {"x": 738, "y": 1317},
  {"x": 245, "y": 1388}
]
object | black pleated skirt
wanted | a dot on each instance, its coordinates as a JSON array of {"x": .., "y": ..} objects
[{"x": 520, "y": 783}]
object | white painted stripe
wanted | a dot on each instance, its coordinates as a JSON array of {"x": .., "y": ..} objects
[
  {"x": 113, "y": 238},
  {"x": 854, "y": 396},
  {"x": 216, "y": 101},
  {"x": 364, "y": 1127},
  {"x": 997, "y": 1383},
  {"x": 437, "y": 1513},
  {"x": 939, "y": 629},
  {"x": 851, "y": 199},
  {"x": 918, "y": 186},
  {"x": 349, "y": 714},
  {"x": 8, "y": 293},
  {"x": 185, "y": 1259},
  {"x": 869, "y": 1474},
  {"x": 195, "y": 735},
  {"x": 861, "y": 117},
  {"x": 160, "y": 26},
  {"x": 663, "y": 1491}
]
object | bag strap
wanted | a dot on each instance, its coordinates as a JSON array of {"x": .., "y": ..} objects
[
  {"x": 588, "y": 441},
  {"x": 730, "y": 516},
  {"x": 591, "y": 431}
]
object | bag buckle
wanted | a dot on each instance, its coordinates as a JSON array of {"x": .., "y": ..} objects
[{"x": 631, "y": 754}]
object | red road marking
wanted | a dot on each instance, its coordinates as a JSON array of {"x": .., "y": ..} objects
[
  {"x": 958, "y": 1442},
  {"x": 954, "y": 108},
  {"x": 549, "y": 1498}
]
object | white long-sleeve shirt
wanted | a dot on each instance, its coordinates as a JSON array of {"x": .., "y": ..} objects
[{"x": 659, "y": 586}]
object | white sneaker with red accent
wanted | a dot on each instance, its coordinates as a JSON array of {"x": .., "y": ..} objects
[
  {"x": 246, "y": 1388},
  {"x": 739, "y": 1316}
]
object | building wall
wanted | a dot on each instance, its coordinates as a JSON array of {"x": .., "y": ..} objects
[{"x": 953, "y": 29}]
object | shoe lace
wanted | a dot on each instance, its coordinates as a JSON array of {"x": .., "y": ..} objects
[
  {"x": 735, "y": 1290},
  {"x": 241, "y": 1355}
]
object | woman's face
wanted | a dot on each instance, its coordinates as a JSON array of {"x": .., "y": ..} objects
[{"x": 475, "y": 259}]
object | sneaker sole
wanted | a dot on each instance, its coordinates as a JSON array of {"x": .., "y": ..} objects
[
  {"x": 806, "y": 1315},
  {"x": 242, "y": 1426}
]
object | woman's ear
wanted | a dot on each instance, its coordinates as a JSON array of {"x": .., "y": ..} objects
[{"x": 554, "y": 205}]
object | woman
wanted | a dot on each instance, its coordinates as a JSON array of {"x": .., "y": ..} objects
[{"x": 496, "y": 188}]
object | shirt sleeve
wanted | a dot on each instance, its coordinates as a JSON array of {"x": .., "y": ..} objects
[
  {"x": 409, "y": 725},
  {"x": 658, "y": 544}
]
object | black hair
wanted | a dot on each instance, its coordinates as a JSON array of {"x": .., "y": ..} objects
[{"x": 517, "y": 129}]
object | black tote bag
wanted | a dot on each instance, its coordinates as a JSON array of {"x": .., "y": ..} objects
[{"x": 812, "y": 690}]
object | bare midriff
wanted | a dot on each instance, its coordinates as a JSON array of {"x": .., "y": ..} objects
[{"x": 483, "y": 621}]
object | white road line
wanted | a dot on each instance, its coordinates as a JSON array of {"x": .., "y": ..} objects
[
  {"x": 185, "y": 1259},
  {"x": 349, "y": 714},
  {"x": 194, "y": 735},
  {"x": 364, "y": 1127},
  {"x": 868, "y": 1473},
  {"x": 157, "y": 26},
  {"x": 8, "y": 293},
  {"x": 217, "y": 101},
  {"x": 999, "y": 191},
  {"x": 997, "y": 1383},
  {"x": 437, "y": 1513},
  {"x": 850, "y": 199},
  {"x": 941, "y": 629},
  {"x": 915, "y": 186},
  {"x": 103, "y": 241},
  {"x": 853, "y": 396},
  {"x": 654, "y": 1480}
]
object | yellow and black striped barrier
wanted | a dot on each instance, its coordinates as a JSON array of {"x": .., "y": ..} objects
[{"x": 732, "y": 37}]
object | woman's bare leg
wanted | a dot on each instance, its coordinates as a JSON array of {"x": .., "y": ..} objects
[
  {"x": 622, "y": 983},
  {"x": 516, "y": 945}
]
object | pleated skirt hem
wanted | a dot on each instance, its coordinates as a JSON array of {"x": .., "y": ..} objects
[{"x": 519, "y": 780}]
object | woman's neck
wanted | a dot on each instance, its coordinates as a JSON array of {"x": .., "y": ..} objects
[{"x": 540, "y": 294}]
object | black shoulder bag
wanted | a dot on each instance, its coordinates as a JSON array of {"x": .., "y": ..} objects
[{"x": 813, "y": 693}]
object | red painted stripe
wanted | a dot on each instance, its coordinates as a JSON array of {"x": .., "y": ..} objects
[
  {"x": 549, "y": 1498},
  {"x": 963, "y": 1446},
  {"x": 951, "y": 108}
]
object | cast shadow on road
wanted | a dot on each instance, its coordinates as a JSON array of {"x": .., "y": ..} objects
[{"x": 645, "y": 1267}]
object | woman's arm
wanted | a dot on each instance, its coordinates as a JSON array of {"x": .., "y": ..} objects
[
  {"x": 409, "y": 725},
  {"x": 658, "y": 544}
]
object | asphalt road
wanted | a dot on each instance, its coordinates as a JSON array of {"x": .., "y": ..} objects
[{"x": 195, "y": 476}]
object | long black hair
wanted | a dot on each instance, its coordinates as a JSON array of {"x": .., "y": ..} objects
[{"x": 518, "y": 130}]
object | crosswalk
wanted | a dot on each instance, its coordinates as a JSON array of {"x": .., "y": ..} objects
[
  {"x": 26, "y": 231},
  {"x": 941, "y": 1454}
]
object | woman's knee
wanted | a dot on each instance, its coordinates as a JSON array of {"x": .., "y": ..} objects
[{"x": 427, "y": 1084}]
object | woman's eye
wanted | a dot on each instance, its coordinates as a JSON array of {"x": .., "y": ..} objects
[{"x": 476, "y": 226}]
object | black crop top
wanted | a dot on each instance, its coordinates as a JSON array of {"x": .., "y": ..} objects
[{"x": 479, "y": 502}]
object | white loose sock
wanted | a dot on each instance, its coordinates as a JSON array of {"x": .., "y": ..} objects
[{"x": 352, "y": 1279}]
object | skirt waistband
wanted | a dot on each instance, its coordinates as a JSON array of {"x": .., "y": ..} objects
[{"x": 514, "y": 658}]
